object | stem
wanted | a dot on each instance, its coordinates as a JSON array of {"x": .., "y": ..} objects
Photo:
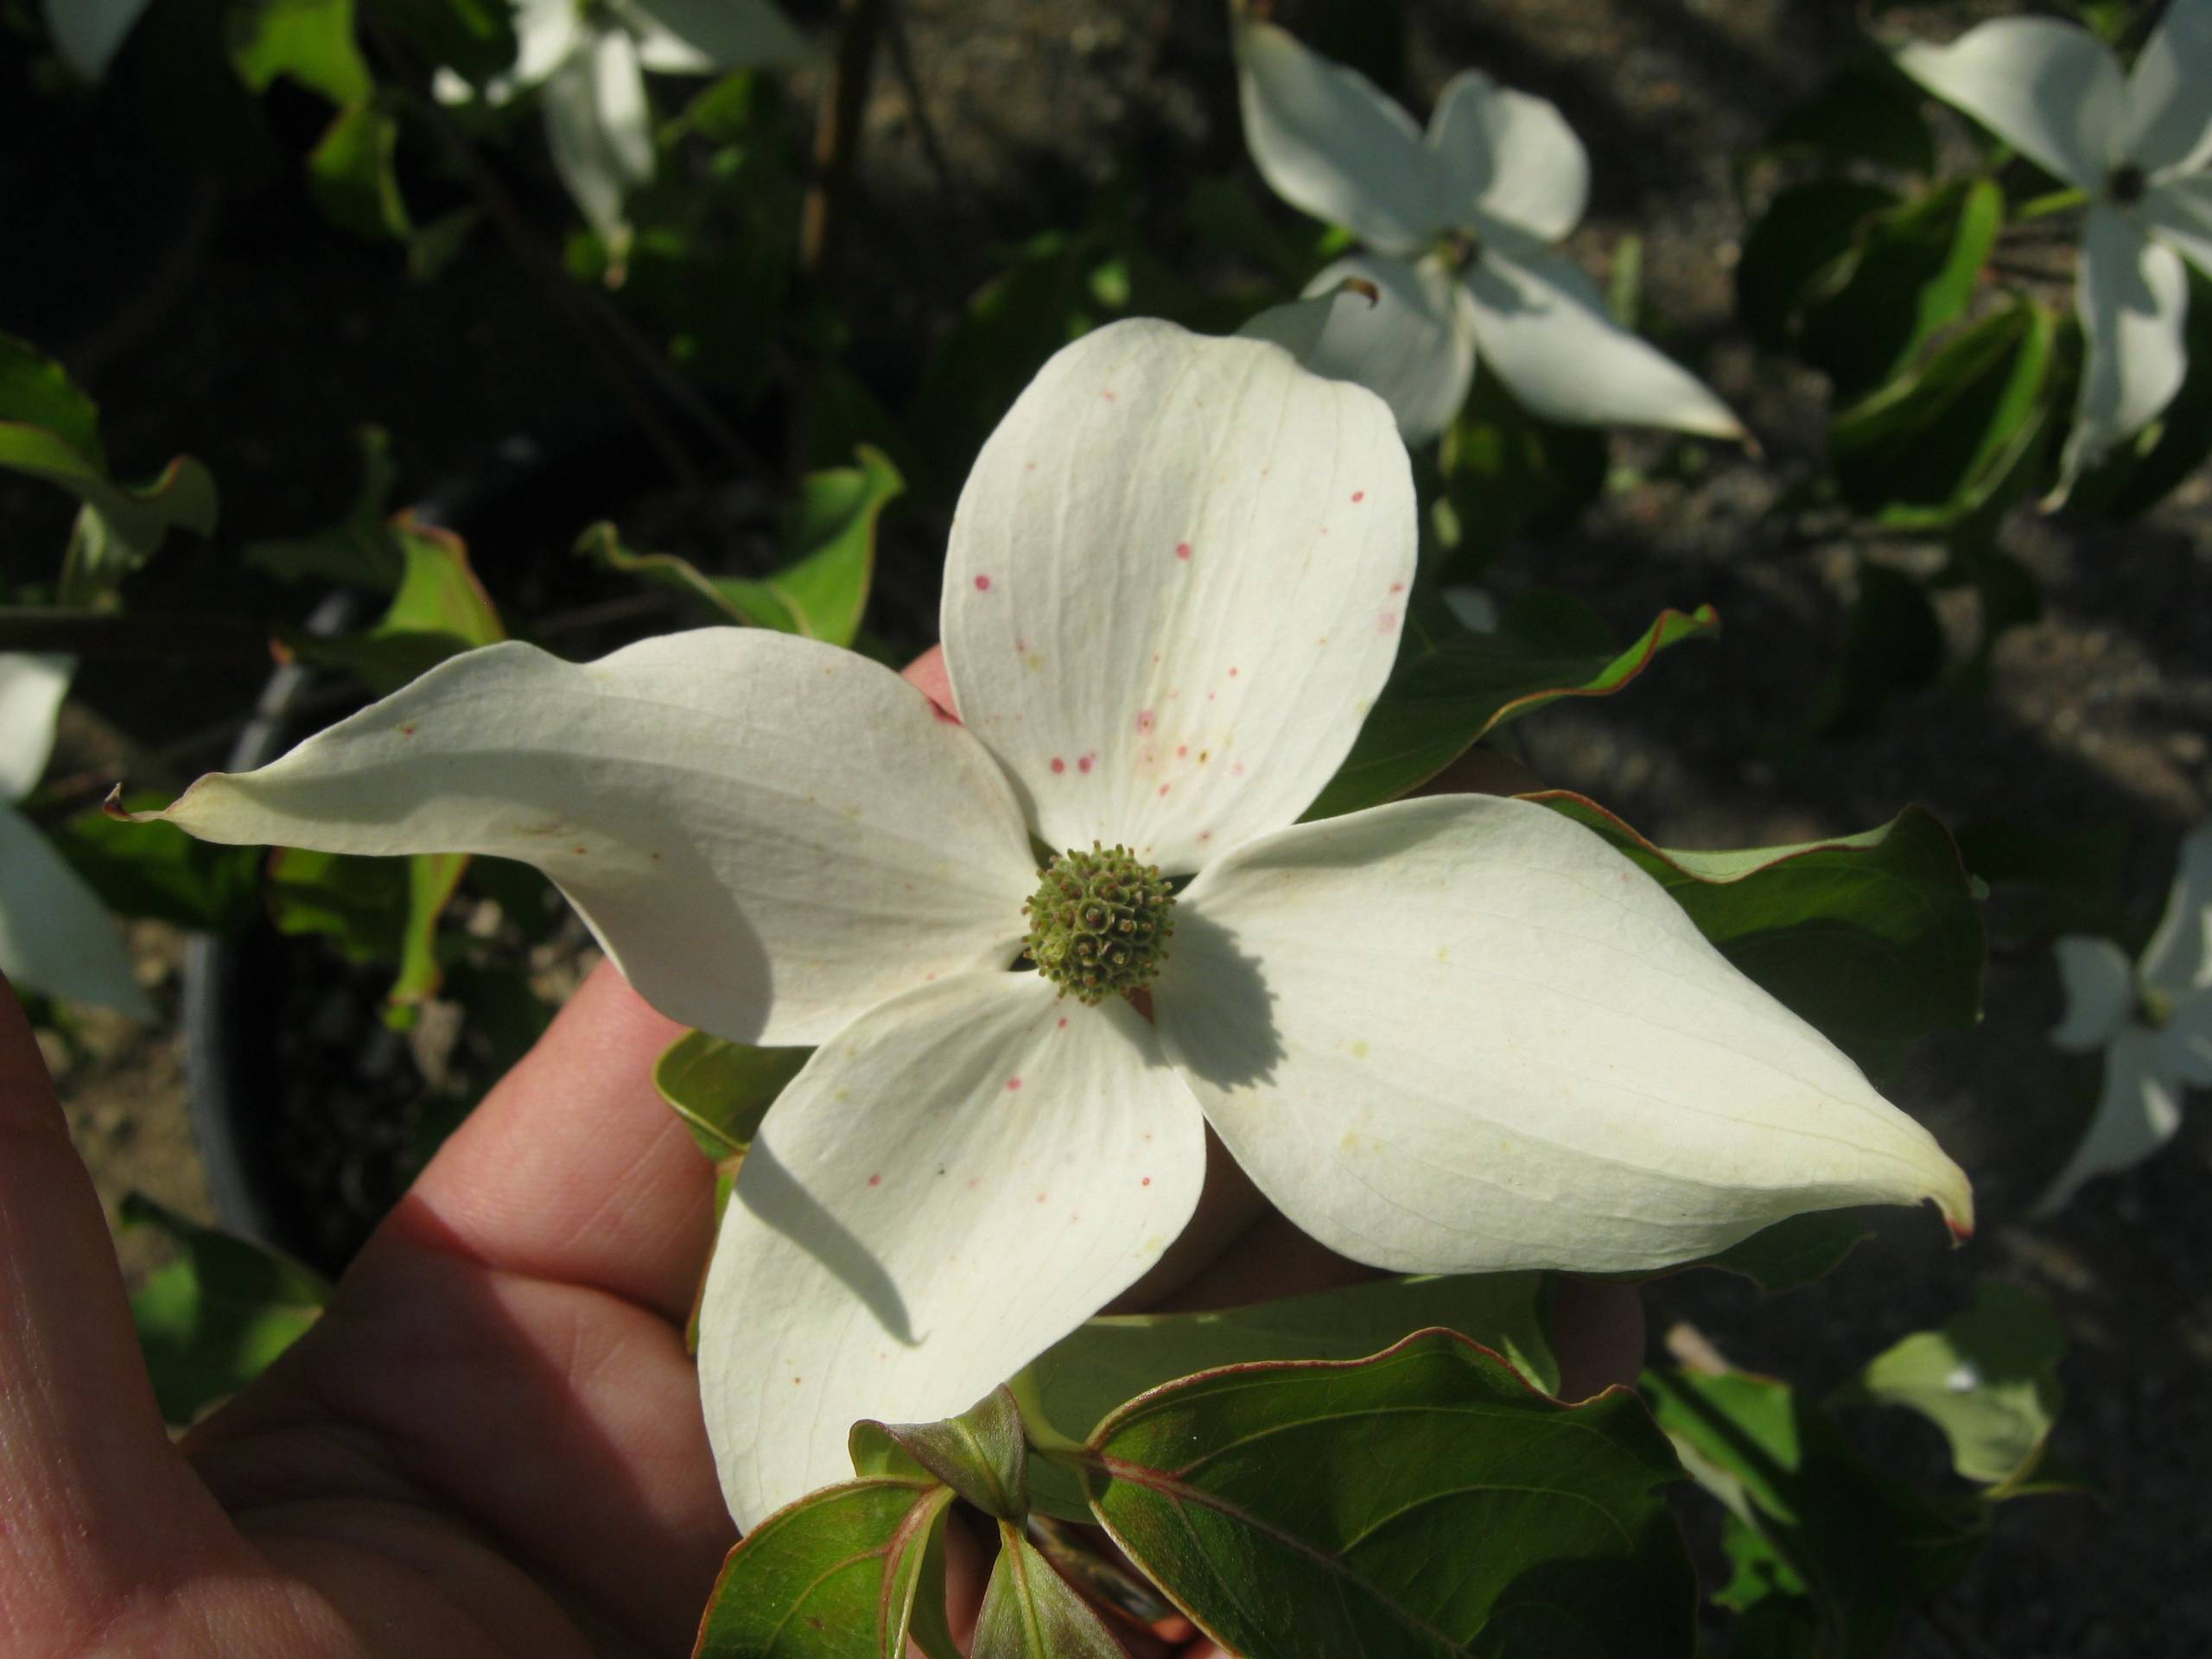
[
  {"x": 2059, "y": 201},
  {"x": 829, "y": 197}
]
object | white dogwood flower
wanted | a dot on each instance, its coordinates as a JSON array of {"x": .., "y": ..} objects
[
  {"x": 2140, "y": 146},
  {"x": 55, "y": 935},
  {"x": 1457, "y": 224},
  {"x": 2153, "y": 1019},
  {"x": 591, "y": 57},
  {"x": 1453, "y": 1034}
]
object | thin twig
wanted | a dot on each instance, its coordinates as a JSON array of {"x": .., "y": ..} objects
[{"x": 827, "y": 206}]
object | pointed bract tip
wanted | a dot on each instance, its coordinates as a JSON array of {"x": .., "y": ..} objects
[{"x": 112, "y": 806}]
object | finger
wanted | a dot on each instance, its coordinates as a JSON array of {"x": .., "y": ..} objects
[
  {"x": 573, "y": 1169},
  {"x": 95, "y": 1495}
]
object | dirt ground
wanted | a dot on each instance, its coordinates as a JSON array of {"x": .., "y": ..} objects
[{"x": 2097, "y": 714}]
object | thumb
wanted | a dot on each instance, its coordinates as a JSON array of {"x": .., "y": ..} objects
[{"x": 98, "y": 1503}]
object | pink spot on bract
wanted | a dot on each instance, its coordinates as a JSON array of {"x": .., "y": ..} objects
[
  {"x": 1234, "y": 672},
  {"x": 1058, "y": 765},
  {"x": 1182, "y": 749},
  {"x": 1022, "y": 646},
  {"x": 1163, "y": 789},
  {"x": 875, "y": 1180},
  {"x": 1210, "y": 696},
  {"x": 1205, "y": 834},
  {"x": 1064, "y": 1022},
  {"x": 1386, "y": 622},
  {"x": 1107, "y": 395},
  {"x": 1085, "y": 762},
  {"x": 983, "y": 584},
  {"x": 1146, "y": 1182},
  {"x": 1144, "y": 720},
  {"x": 1398, "y": 587},
  {"x": 1359, "y": 495},
  {"x": 1238, "y": 770},
  {"x": 1040, "y": 1198},
  {"x": 974, "y": 1181},
  {"x": 407, "y": 731},
  {"x": 1012, "y": 1083},
  {"x": 1182, "y": 549}
]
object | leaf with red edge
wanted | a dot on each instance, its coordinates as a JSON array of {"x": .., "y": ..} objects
[
  {"x": 1453, "y": 687},
  {"x": 1426, "y": 1502},
  {"x": 1875, "y": 939}
]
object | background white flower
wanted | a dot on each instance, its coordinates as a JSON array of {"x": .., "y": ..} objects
[
  {"x": 89, "y": 33},
  {"x": 591, "y": 58},
  {"x": 55, "y": 935},
  {"x": 1457, "y": 223},
  {"x": 2152, "y": 1018},
  {"x": 1456, "y": 1034},
  {"x": 2140, "y": 145}
]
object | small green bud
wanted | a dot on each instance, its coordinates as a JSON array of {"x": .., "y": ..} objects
[{"x": 1099, "y": 921}]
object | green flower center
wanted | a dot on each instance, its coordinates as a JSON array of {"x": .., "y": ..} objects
[{"x": 1099, "y": 921}]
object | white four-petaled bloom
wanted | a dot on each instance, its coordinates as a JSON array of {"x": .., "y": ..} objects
[
  {"x": 2140, "y": 145},
  {"x": 590, "y": 56},
  {"x": 1458, "y": 224},
  {"x": 2152, "y": 1018},
  {"x": 55, "y": 935},
  {"x": 1453, "y": 1034}
]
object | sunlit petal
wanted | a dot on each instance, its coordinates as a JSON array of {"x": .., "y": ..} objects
[
  {"x": 1411, "y": 343},
  {"x": 1510, "y": 156},
  {"x": 769, "y": 835},
  {"x": 2051, "y": 90},
  {"x": 1174, "y": 586},
  {"x": 1541, "y": 326},
  {"x": 954, "y": 1183},
  {"x": 2132, "y": 298},
  {"x": 2137, "y": 1113},
  {"x": 1463, "y": 1034}
]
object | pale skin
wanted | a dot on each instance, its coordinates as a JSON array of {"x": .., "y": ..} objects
[{"x": 492, "y": 1443}]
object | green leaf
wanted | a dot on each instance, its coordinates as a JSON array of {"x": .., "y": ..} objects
[
  {"x": 1988, "y": 1379},
  {"x": 843, "y": 1571},
  {"x": 310, "y": 41},
  {"x": 982, "y": 1454},
  {"x": 1932, "y": 445},
  {"x": 1799, "y": 251},
  {"x": 473, "y": 38},
  {"x": 120, "y": 527},
  {"x": 362, "y": 550},
  {"x": 1909, "y": 271},
  {"x": 432, "y": 879},
  {"x": 1426, "y": 1502},
  {"x": 439, "y": 610},
  {"x": 156, "y": 870},
  {"x": 723, "y": 1090},
  {"x": 350, "y": 172},
  {"x": 213, "y": 1320},
  {"x": 1870, "y": 110},
  {"x": 1452, "y": 687},
  {"x": 1029, "y": 1612},
  {"x": 1863, "y": 1547},
  {"x": 1508, "y": 473},
  {"x": 1796, "y": 1252},
  {"x": 829, "y": 539},
  {"x": 1874, "y": 938},
  {"x": 35, "y": 390},
  {"x": 357, "y": 903}
]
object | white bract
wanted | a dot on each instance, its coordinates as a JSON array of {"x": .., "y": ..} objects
[
  {"x": 1457, "y": 225},
  {"x": 55, "y": 935},
  {"x": 590, "y": 56},
  {"x": 2140, "y": 145},
  {"x": 89, "y": 33},
  {"x": 2153, "y": 1019},
  {"x": 1456, "y": 1034}
]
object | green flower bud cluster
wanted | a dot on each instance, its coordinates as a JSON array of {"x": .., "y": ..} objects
[{"x": 1099, "y": 921}]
